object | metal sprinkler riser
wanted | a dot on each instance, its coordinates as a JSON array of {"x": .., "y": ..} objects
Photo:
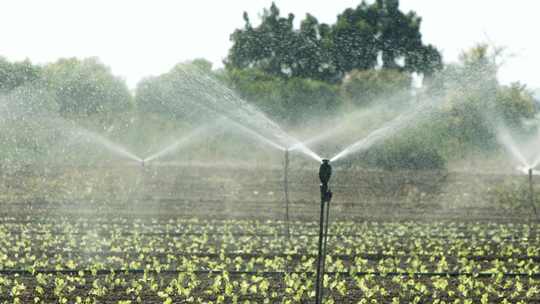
[{"x": 325, "y": 172}]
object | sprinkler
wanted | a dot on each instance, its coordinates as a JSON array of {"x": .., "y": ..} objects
[
  {"x": 325, "y": 172},
  {"x": 142, "y": 163},
  {"x": 286, "y": 190},
  {"x": 531, "y": 192}
]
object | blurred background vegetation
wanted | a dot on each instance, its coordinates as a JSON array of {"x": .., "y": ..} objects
[{"x": 371, "y": 59}]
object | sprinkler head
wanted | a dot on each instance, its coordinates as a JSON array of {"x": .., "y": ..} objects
[{"x": 325, "y": 171}]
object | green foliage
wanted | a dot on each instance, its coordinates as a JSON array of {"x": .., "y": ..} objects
[
  {"x": 152, "y": 95},
  {"x": 84, "y": 87},
  {"x": 514, "y": 196},
  {"x": 313, "y": 54},
  {"x": 15, "y": 74},
  {"x": 475, "y": 73},
  {"x": 406, "y": 153},
  {"x": 24, "y": 111},
  {"x": 268, "y": 47},
  {"x": 203, "y": 64},
  {"x": 464, "y": 120},
  {"x": 354, "y": 38},
  {"x": 292, "y": 100},
  {"x": 121, "y": 244},
  {"x": 28, "y": 100},
  {"x": 362, "y": 87},
  {"x": 473, "y": 102},
  {"x": 515, "y": 103},
  {"x": 328, "y": 52},
  {"x": 167, "y": 95}
]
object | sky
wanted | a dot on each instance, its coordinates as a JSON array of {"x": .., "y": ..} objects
[{"x": 139, "y": 38}]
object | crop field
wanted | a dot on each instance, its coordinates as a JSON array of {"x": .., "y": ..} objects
[
  {"x": 212, "y": 235},
  {"x": 179, "y": 261},
  {"x": 237, "y": 152}
]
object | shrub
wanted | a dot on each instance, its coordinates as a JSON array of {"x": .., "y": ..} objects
[
  {"x": 406, "y": 154},
  {"x": 289, "y": 100},
  {"x": 363, "y": 87}
]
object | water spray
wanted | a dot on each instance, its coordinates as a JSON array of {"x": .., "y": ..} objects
[
  {"x": 214, "y": 97},
  {"x": 325, "y": 172}
]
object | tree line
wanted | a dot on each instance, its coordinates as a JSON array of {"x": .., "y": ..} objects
[{"x": 370, "y": 54}]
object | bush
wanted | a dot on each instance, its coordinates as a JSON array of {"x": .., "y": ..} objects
[
  {"x": 289, "y": 100},
  {"x": 515, "y": 103},
  {"x": 514, "y": 196},
  {"x": 173, "y": 96},
  {"x": 406, "y": 155},
  {"x": 363, "y": 87},
  {"x": 15, "y": 74},
  {"x": 86, "y": 87}
]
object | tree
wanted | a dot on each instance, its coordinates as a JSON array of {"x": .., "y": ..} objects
[
  {"x": 22, "y": 91},
  {"x": 202, "y": 64},
  {"x": 474, "y": 102},
  {"x": 169, "y": 94},
  {"x": 364, "y": 33},
  {"x": 292, "y": 100},
  {"x": 15, "y": 74},
  {"x": 328, "y": 52},
  {"x": 267, "y": 47},
  {"x": 515, "y": 103},
  {"x": 363, "y": 87},
  {"x": 354, "y": 36},
  {"x": 312, "y": 56},
  {"x": 276, "y": 48},
  {"x": 84, "y": 87}
]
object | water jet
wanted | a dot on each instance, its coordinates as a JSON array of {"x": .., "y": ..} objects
[
  {"x": 413, "y": 117},
  {"x": 506, "y": 140},
  {"x": 180, "y": 143},
  {"x": 208, "y": 93},
  {"x": 80, "y": 134}
]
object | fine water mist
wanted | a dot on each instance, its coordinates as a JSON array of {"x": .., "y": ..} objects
[
  {"x": 536, "y": 160},
  {"x": 525, "y": 170},
  {"x": 182, "y": 142},
  {"x": 418, "y": 114},
  {"x": 30, "y": 109},
  {"x": 70, "y": 133},
  {"x": 350, "y": 123},
  {"x": 86, "y": 135},
  {"x": 255, "y": 135},
  {"x": 206, "y": 92},
  {"x": 506, "y": 140},
  {"x": 524, "y": 152}
]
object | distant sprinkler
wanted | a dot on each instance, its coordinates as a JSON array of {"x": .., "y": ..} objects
[
  {"x": 286, "y": 190},
  {"x": 142, "y": 163},
  {"x": 531, "y": 192}
]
